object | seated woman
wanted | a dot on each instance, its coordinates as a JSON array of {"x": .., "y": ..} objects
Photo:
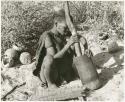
[{"x": 54, "y": 55}]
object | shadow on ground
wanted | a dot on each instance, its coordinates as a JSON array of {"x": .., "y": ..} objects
[
  {"x": 107, "y": 73},
  {"x": 112, "y": 58}
]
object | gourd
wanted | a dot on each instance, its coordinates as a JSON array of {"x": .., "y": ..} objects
[
  {"x": 25, "y": 58},
  {"x": 10, "y": 58}
]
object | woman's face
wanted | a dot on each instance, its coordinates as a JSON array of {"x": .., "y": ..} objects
[{"x": 61, "y": 27}]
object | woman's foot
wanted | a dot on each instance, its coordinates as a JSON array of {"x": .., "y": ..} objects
[
  {"x": 52, "y": 86},
  {"x": 44, "y": 85}
]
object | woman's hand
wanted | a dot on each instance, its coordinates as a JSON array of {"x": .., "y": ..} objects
[
  {"x": 72, "y": 40},
  {"x": 88, "y": 52}
]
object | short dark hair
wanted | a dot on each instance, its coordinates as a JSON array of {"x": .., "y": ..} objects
[
  {"x": 59, "y": 16},
  {"x": 58, "y": 19}
]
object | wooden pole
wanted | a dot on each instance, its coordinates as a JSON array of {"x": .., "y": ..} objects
[{"x": 72, "y": 28}]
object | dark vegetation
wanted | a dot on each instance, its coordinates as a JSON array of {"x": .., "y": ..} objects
[{"x": 24, "y": 22}]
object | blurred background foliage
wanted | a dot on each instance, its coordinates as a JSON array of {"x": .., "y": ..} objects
[{"x": 22, "y": 22}]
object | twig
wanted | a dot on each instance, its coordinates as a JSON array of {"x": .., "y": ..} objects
[
  {"x": 17, "y": 86},
  {"x": 75, "y": 7}
]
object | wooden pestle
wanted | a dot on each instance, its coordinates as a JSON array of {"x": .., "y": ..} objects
[
  {"x": 84, "y": 65},
  {"x": 72, "y": 28}
]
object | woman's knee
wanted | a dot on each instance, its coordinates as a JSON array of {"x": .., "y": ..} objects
[{"x": 48, "y": 60}]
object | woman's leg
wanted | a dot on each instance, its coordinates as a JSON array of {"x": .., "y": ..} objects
[
  {"x": 42, "y": 76},
  {"x": 49, "y": 71}
]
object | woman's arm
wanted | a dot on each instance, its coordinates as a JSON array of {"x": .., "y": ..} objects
[{"x": 60, "y": 54}]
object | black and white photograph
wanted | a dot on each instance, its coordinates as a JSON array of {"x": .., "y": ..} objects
[{"x": 62, "y": 50}]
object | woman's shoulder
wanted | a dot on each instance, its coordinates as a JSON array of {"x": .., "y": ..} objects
[{"x": 46, "y": 34}]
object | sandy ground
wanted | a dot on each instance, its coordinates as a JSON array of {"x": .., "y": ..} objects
[{"x": 111, "y": 72}]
